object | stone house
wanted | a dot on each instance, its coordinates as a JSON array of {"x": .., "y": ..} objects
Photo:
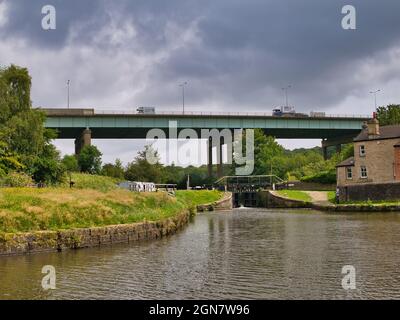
[{"x": 374, "y": 171}]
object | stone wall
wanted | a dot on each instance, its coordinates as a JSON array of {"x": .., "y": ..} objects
[
  {"x": 269, "y": 199},
  {"x": 306, "y": 186},
  {"x": 89, "y": 237},
  {"x": 224, "y": 204},
  {"x": 357, "y": 208},
  {"x": 47, "y": 241},
  {"x": 371, "y": 191}
]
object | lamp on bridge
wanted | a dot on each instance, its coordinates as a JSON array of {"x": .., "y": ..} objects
[{"x": 182, "y": 85}]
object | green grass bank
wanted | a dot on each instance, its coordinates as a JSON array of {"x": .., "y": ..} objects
[
  {"x": 295, "y": 195},
  {"x": 93, "y": 202}
]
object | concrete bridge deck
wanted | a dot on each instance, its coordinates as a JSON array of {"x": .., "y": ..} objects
[
  {"x": 86, "y": 124},
  {"x": 117, "y": 125}
]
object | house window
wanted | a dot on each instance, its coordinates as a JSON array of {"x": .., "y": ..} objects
[
  {"x": 364, "y": 174},
  {"x": 362, "y": 151},
  {"x": 349, "y": 173}
]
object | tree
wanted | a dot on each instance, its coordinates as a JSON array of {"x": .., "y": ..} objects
[
  {"x": 113, "y": 170},
  {"x": 70, "y": 163},
  {"x": 141, "y": 170},
  {"x": 89, "y": 160},
  {"x": 21, "y": 127},
  {"x": 47, "y": 168},
  {"x": 9, "y": 161},
  {"x": 18, "y": 83},
  {"x": 265, "y": 150},
  {"x": 388, "y": 115},
  {"x": 22, "y": 132}
]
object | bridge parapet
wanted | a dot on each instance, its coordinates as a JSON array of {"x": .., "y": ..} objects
[
  {"x": 94, "y": 112},
  {"x": 68, "y": 112}
]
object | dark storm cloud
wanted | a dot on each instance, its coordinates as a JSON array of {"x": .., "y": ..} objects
[
  {"x": 25, "y": 19},
  {"x": 259, "y": 43},
  {"x": 149, "y": 17},
  {"x": 244, "y": 51}
]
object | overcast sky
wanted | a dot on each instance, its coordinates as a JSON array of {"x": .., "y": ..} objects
[{"x": 235, "y": 55}]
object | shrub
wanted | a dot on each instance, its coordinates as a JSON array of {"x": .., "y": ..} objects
[
  {"x": 16, "y": 179},
  {"x": 70, "y": 163},
  {"x": 89, "y": 160},
  {"x": 324, "y": 177},
  {"x": 49, "y": 171}
]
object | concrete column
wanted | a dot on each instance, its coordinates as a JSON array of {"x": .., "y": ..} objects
[
  {"x": 85, "y": 139},
  {"x": 219, "y": 160},
  {"x": 325, "y": 152},
  {"x": 338, "y": 148},
  {"x": 209, "y": 156}
]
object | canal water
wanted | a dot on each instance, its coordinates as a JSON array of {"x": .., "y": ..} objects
[{"x": 239, "y": 254}]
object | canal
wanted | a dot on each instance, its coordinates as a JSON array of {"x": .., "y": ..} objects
[{"x": 243, "y": 254}]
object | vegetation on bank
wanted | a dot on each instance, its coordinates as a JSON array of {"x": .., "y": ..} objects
[
  {"x": 35, "y": 209},
  {"x": 331, "y": 196},
  {"x": 370, "y": 203},
  {"x": 295, "y": 195},
  {"x": 90, "y": 181},
  {"x": 194, "y": 198}
]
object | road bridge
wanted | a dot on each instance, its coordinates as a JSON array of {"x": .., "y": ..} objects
[{"x": 86, "y": 124}]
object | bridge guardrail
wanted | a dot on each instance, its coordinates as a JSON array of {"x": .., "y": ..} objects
[
  {"x": 203, "y": 113},
  {"x": 94, "y": 112}
]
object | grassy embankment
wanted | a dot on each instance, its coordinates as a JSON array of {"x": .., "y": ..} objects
[
  {"x": 295, "y": 195},
  {"x": 94, "y": 201},
  {"x": 331, "y": 198}
]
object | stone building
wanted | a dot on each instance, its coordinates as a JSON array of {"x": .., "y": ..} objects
[{"x": 374, "y": 171}]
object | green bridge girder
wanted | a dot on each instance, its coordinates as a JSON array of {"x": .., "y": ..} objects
[{"x": 136, "y": 126}]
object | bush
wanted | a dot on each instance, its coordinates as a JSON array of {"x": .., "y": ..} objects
[
  {"x": 89, "y": 160},
  {"x": 16, "y": 179},
  {"x": 324, "y": 177},
  {"x": 49, "y": 171},
  {"x": 70, "y": 163}
]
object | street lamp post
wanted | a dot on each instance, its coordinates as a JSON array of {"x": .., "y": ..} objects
[
  {"x": 68, "y": 82},
  {"x": 286, "y": 94},
  {"x": 182, "y": 85},
  {"x": 374, "y": 93}
]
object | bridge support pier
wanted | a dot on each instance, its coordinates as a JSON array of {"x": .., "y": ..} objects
[
  {"x": 85, "y": 139},
  {"x": 337, "y": 143},
  {"x": 219, "y": 160},
  {"x": 209, "y": 157},
  {"x": 338, "y": 149},
  {"x": 325, "y": 152}
]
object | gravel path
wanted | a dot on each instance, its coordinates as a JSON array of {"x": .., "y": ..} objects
[{"x": 318, "y": 196}]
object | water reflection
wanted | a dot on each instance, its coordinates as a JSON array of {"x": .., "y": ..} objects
[{"x": 245, "y": 254}]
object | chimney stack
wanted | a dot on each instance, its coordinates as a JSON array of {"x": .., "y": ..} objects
[{"x": 373, "y": 127}]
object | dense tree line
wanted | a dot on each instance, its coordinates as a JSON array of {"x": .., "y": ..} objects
[
  {"x": 389, "y": 115},
  {"x": 270, "y": 158}
]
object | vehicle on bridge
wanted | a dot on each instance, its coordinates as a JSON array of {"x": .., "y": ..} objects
[
  {"x": 317, "y": 114},
  {"x": 146, "y": 110},
  {"x": 287, "y": 111}
]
